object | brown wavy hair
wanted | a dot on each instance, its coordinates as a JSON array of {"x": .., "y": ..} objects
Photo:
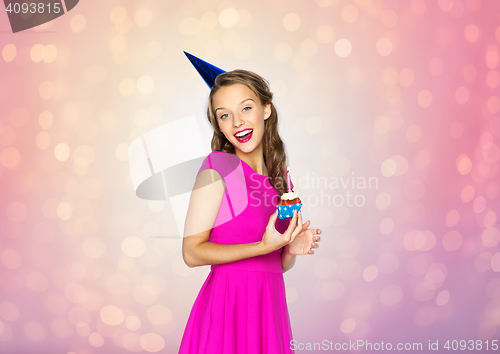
[{"x": 274, "y": 148}]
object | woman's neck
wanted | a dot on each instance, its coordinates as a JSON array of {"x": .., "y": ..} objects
[{"x": 254, "y": 159}]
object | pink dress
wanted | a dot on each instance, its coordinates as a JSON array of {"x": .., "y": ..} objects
[{"x": 241, "y": 307}]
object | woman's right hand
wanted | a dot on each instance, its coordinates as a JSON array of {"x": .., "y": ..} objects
[{"x": 273, "y": 239}]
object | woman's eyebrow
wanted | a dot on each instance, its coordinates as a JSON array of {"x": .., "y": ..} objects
[{"x": 246, "y": 99}]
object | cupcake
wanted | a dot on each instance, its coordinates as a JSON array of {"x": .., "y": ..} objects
[{"x": 289, "y": 201}]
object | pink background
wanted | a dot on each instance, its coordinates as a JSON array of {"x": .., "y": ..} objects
[{"x": 406, "y": 92}]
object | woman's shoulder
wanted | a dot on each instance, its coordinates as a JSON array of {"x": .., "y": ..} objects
[
  {"x": 222, "y": 162},
  {"x": 219, "y": 155},
  {"x": 215, "y": 158}
]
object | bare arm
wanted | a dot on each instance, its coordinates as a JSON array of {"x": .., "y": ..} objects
[
  {"x": 207, "y": 253},
  {"x": 303, "y": 243},
  {"x": 202, "y": 212},
  {"x": 287, "y": 259}
]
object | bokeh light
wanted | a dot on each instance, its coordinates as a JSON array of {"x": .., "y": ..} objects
[
  {"x": 9, "y": 52},
  {"x": 78, "y": 23},
  {"x": 343, "y": 47}
]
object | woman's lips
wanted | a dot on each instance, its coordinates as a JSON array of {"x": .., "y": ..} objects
[{"x": 245, "y": 138}]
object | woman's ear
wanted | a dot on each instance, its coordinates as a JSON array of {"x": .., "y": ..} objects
[{"x": 267, "y": 111}]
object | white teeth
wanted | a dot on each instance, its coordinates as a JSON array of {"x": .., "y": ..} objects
[{"x": 245, "y": 132}]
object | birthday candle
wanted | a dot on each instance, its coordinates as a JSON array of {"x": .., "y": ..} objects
[{"x": 288, "y": 180}]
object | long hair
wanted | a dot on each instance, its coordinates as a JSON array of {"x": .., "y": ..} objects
[{"x": 273, "y": 146}]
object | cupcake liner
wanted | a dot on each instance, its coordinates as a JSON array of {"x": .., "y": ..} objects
[{"x": 286, "y": 211}]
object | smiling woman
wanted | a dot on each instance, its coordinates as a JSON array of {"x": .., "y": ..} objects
[
  {"x": 241, "y": 100},
  {"x": 239, "y": 122},
  {"x": 241, "y": 307}
]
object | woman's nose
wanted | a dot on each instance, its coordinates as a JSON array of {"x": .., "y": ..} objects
[{"x": 237, "y": 121}]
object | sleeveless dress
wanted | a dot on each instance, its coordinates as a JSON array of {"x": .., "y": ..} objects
[{"x": 241, "y": 307}]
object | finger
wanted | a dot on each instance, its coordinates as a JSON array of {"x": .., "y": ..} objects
[
  {"x": 298, "y": 228},
  {"x": 318, "y": 238},
  {"x": 272, "y": 219},
  {"x": 311, "y": 252},
  {"x": 306, "y": 225},
  {"x": 291, "y": 225}
]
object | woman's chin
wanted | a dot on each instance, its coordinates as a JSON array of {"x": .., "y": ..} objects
[{"x": 246, "y": 148}]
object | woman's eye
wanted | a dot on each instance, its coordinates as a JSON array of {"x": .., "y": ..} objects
[
  {"x": 247, "y": 108},
  {"x": 223, "y": 116}
]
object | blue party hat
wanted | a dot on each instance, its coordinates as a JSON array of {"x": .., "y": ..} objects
[{"x": 207, "y": 71}]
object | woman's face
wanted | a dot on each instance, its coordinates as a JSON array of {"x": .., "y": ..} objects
[{"x": 240, "y": 116}]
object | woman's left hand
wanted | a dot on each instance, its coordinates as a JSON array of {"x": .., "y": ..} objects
[{"x": 305, "y": 241}]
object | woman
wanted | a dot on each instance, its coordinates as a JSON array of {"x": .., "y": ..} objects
[{"x": 232, "y": 225}]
